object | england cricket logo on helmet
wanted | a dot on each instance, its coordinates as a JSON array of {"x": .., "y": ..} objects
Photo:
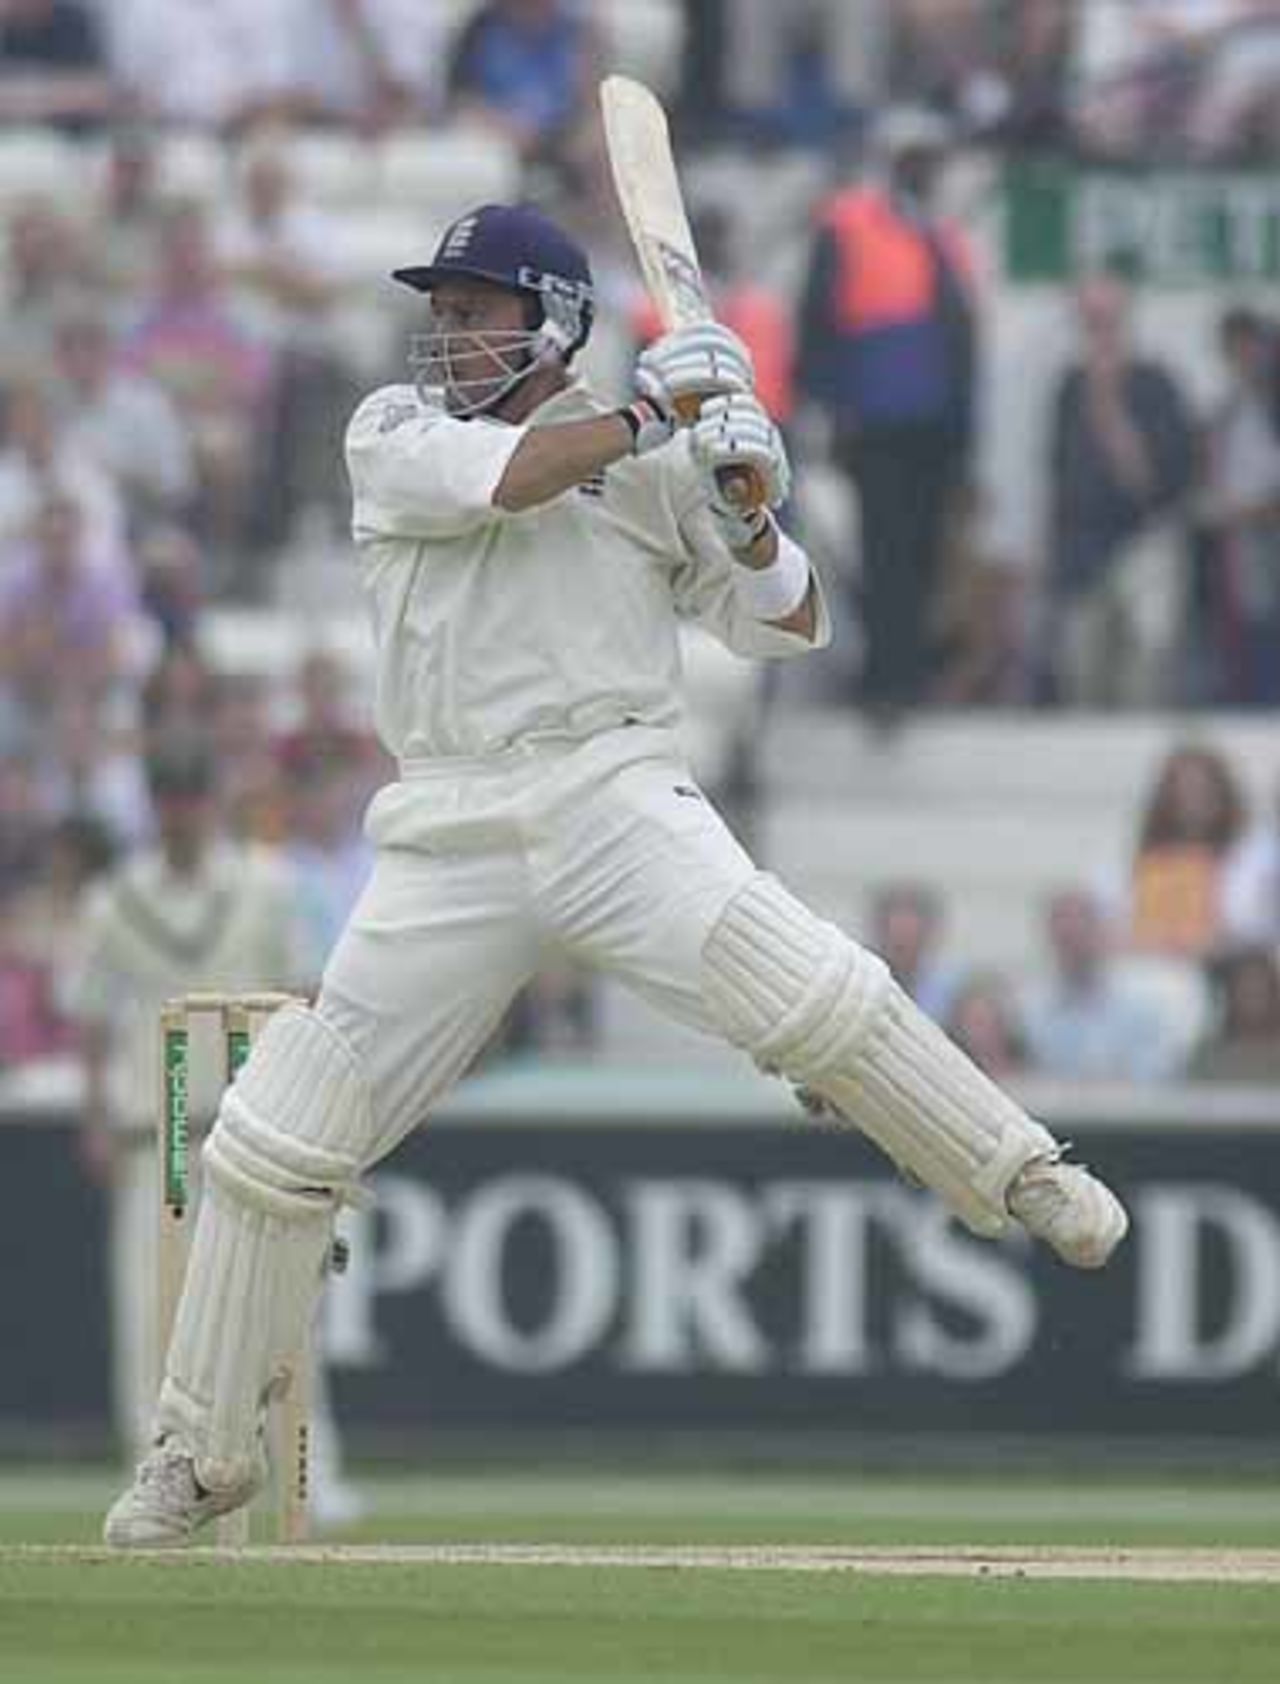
[{"x": 516, "y": 247}]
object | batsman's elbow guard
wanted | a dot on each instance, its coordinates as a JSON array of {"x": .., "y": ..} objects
[{"x": 808, "y": 1003}]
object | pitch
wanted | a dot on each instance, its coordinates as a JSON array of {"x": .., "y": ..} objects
[{"x": 619, "y": 1579}]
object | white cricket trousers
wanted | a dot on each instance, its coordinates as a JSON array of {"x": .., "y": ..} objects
[{"x": 606, "y": 851}]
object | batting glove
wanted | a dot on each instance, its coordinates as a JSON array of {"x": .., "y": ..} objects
[
  {"x": 693, "y": 363},
  {"x": 744, "y": 462}
]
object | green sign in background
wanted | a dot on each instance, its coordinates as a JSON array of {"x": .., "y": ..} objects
[{"x": 1177, "y": 228}]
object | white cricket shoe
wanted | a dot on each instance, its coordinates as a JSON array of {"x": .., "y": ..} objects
[
  {"x": 166, "y": 1504},
  {"x": 1070, "y": 1210}
]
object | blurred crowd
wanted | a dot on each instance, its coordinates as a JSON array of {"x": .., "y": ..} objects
[
  {"x": 1150, "y": 80},
  {"x": 1186, "y": 79},
  {"x": 177, "y": 361},
  {"x": 1164, "y": 969},
  {"x": 1192, "y": 80}
]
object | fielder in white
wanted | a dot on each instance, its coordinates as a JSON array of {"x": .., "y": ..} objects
[
  {"x": 195, "y": 910},
  {"x": 528, "y": 552}
]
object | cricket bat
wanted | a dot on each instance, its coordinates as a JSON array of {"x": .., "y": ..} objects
[{"x": 644, "y": 178}]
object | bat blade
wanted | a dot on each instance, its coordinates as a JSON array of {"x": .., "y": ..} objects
[
  {"x": 638, "y": 141},
  {"x": 648, "y": 190}
]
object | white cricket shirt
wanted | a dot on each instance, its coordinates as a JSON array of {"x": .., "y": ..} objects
[{"x": 495, "y": 628}]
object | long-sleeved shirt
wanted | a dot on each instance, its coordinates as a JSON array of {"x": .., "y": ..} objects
[
  {"x": 495, "y": 628},
  {"x": 1093, "y": 512}
]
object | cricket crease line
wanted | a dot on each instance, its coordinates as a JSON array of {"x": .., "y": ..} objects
[{"x": 1180, "y": 1566}]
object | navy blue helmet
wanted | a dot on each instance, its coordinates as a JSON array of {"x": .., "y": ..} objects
[{"x": 518, "y": 247}]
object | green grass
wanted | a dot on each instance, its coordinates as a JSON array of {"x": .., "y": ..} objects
[
  {"x": 134, "y": 1623},
  {"x": 573, "y": 1506},
  {"x": 81, "y": 1620}
]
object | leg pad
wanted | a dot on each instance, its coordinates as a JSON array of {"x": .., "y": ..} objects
[
  {"x": 808, "y": 1003},
  {"x": 285, "y": 1150}
]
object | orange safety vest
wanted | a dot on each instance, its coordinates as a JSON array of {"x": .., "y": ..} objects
[{"x": 887, "y": 274}]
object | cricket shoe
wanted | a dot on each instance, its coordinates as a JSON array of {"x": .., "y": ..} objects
[
  {"x": 166, "y": 1504},
  {"x": 1070, "y": 1210}
]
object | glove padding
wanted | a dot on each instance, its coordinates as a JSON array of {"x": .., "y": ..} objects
[
  {"x": 733, "y": 436},
  {"x": 691, "y": 363}
]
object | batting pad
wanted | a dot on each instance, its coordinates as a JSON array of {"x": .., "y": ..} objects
[
  {"x": 284, "y": 1151},
  {"x": 810, "y": 1004}
]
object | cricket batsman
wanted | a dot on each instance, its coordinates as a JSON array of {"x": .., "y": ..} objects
[{"x": 528, "y": 552}]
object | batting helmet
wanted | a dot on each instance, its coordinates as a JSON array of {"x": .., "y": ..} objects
[{"x": 518, "y": 247}]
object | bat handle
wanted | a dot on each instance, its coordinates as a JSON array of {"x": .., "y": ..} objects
[{"x": 742, "y": 487}]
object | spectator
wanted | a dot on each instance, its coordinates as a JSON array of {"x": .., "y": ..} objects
[
  {"x": 984, "y": 1021},
  {"x": 67, "y": 624},
  {"x": 1140, "y": 61},
  {"x": 181, "y": 695},
  {"x": 253, "y": 791},
  {"x": 52, "y": 69},
  {"x": 326, "y": 732},
  {"x": 982, "y": 632},
  {"x": 1239, "y": 514},
  {"x": 128, "y": 214},
  {"x": 1085, "y": 1020},
  {"x": 171, "y": 581},
  {"x": 45, "y": 261},
  {"x": 907, "y": 924},
  {"x": 280, "y": 256},
  {"x": 122, "y": 420},
  {"x": 40, "y": 461},
  {"x": 374, "y": 64},
  {"x": 211, "y": 64},
  {"x": 1245, "y": 1043},
  {"x": 281, "y": 260},
  {"x": 220, "y": 377},
  {"x": 1251, "y": 884},
  {"x": 1235, "y": 109},
  {"x": 887, "y": 338},
  {"x": 1120, "y": 462},
  {"x": 326, "y": 850},
  {"x": 942, "y": 54},
  {"x": 76, "y": 851},
  {"x": 30, "y": 1025},
  {"x": 23, "y": 818},
  {"x": 91, "y": 772},
  {"x": 1025, "y": 102},
  {"x": 698, "y": 109},
  {"x": 804, "y": 74},
  {"x": 1193, "y": 818},
  {"x": 529, "y": 69}
]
